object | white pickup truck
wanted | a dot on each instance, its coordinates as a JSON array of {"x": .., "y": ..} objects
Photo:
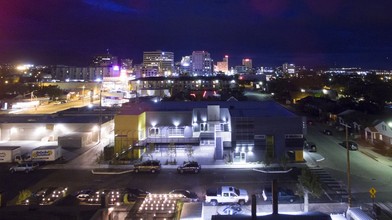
[{"x": 226, "y": 194}]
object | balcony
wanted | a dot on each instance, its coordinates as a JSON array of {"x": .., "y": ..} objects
[{"x": 175, "y": 140}]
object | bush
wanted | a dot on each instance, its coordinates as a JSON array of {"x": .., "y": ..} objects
[{"x": 23, "y": 195}]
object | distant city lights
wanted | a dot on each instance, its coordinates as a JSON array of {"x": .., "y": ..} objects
[{"x": 24, "y": 67}]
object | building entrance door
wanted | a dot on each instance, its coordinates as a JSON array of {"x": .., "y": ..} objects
[{"x": 243, "y": 157}]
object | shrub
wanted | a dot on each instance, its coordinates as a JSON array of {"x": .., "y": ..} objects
[{"x": 23, "y": 195}]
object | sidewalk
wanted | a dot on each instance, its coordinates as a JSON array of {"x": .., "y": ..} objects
[
  {"x": 266, "y": 209},
  {"x": 106, "y": 169},
  {"x": 369, "y": 150},
  {"x": 365, "y": 147}
]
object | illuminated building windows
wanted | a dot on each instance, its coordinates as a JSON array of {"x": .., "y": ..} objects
[
  {"x": 176, "y": 132},
  {"x": 203, "y": 127},
  {"x": 153, "y": 132}
]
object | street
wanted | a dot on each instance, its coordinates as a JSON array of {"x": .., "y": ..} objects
[{"x": 365, "y": 171}]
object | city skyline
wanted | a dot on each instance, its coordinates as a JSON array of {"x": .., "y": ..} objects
[{"x": 334, "y": 33}]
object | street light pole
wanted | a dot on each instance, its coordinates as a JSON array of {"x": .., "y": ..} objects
[
  {"x": 100, "y": 114},
  {"x": 83, "y": 93},
  {"x": 348, "y": 167}
]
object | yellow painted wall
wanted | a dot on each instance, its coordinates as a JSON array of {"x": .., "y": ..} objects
[
  {"x": 126, "y": 129},
  {"x": 142, "y": 126},
  {"x": 299, "y": 155}
]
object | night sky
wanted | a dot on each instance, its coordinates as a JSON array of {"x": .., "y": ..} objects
[{"x": 335, "y": 33}]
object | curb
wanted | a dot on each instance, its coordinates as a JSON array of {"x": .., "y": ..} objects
[
  {"x": 278, "y": 171},
  {"x": 369, "y": 155},
  {"x": 110, "y": 172}
]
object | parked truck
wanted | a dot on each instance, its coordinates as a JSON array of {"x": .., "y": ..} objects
[
  {"x": 226, "y": 194},
  {"x": 46, "y": 153},
  {"x": 9, "y": 153}
]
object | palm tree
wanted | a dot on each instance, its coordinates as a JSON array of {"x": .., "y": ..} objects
[{"x": 308, "y": 183}]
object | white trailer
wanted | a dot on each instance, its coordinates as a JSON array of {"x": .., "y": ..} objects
[
  {"x": 9, "y": 153},
  {"x": 46, "y": 153}
]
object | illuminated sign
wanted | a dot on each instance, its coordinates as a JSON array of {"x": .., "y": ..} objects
[{"x": 42, "y": 153}]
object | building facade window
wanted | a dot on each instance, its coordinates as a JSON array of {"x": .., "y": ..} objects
[
  {"x": 153, "y": 132},
  {"x": 203, "y": 127},
  {"x": 176, "y": 132},
  {"x": 294, "y": 140}
]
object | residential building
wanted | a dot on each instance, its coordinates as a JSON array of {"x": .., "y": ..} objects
[
  {"x": 223, "y": 66},
  {"x": 379, "y": 133},
  {"x": 162, "y": 60},
  {"x": 72, "y": 73},
  {"x": 167, "y": 86},
  {"x": 105, "y": 60},
  {"x": 242, "y": 131},
  {"x": 247, "y": 63},
  {"x": 201, "y": 63},
  {"x": 288, "y": 68},
  {"x": 186, "y": 65},
  {"x": 241, "y": 69}
]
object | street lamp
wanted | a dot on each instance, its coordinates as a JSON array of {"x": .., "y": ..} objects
[{"x": 83, "y": 93}]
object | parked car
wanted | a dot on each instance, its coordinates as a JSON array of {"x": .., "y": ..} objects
[
  {"x": 95, "y": 198},
  {"x": 84, "y": 194},
  {"x": 137, "y": 192},
  {"x": 284, "y": 195},
  {"x": 134, "y": 194},
  {"x": 327, "y": 132},
  {"x": 46, "y": 196},
  {"x": 148, "y": 166},
  {"x": 351, "y": 145},
  {"x": 117, "y": 197},
  {"x": 24, "y": 167},
  {"x": 226, "y": 194},
  {"x": 53, "y": 195},
  {"x": 187, "y": 196},
  {"x": 310, "y": 146},
  {"x": 189, "y": 167}
]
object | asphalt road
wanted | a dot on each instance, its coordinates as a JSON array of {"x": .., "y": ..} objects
[
  {"x": 52, "y": 107},
  {"x": 365, "y": 171}
]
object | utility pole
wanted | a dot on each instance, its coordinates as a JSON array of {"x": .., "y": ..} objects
[
  {"x": 100, "y": 114},
  {"x": 83, "y": 93},
  {"x": 348, "y": 167}
]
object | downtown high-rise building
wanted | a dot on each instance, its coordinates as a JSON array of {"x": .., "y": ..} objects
[
  {"x": 163, "y": 61},
  {"x": 201, "y": 63},
  {"x": 223, "y": 66},
  {"x": 247, "y": 63},
  {"x": 105, "y": 60},
  {"x": 288, "y": 68}
]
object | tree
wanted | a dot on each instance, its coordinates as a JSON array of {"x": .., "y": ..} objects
[
  {"x": 100, "y": 157},
  {"x": 172, "y": 153},
  {"x": 308, "y": 183},
  {"x": 283, "y": 162},
  {"x": 23, "y": 195},
  {"x": 189, "y": 152},
  {"x": 150, "y": 150},
  {"x": 268, "y": 158},
  {"x": 52, "y": 92}
]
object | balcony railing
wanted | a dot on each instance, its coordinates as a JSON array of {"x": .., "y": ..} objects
[{"x": 163, "y": 140}]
